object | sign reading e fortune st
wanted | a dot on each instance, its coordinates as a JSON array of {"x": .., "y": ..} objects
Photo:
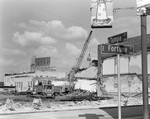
[
  {"x": 118, "y": 38},
  {"x": 116, "y": 49}
]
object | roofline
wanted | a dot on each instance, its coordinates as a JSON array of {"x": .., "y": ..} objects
[
  {"x": 19, "y": 73},
  {"x": 7, "y": 86}
]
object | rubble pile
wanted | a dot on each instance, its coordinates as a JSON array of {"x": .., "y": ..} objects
[
  {"x": 46, "y": 105},
  {"x": 78, "y": 95},
  {"x": 79, "y": 98},
  {"x": 131, "y": 101},
  {"x": 81, "y": 95}
]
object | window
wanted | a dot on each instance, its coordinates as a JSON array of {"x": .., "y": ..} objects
[
  {"x": 49, "y": 87},
  {"x": 21, "y": 84}
]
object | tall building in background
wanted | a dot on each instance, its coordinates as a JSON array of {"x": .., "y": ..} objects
[{"x": 41, "y": 64}]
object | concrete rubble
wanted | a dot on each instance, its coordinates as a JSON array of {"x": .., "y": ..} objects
[
  {"x": 79, "y": 99},
  {"x": 62, "y": 105}
]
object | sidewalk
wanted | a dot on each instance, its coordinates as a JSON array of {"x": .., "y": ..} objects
[
  {"x": 20, "y": 108},
  {"x": 31, "y": 110}
]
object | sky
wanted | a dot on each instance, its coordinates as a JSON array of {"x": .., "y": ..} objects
[{"x": 57, "y": 28}]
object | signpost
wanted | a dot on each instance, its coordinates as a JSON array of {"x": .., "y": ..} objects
[
  {"x": 111, "y": 48},
  {"x": 118, "y": 38},
  {"x": 119, "y": 87},
  {"x": 117, "y": 49}
]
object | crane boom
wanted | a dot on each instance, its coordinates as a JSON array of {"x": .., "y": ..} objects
[
  {"x": 76, "y": 69},
  {"x": 79, "y": 62}
]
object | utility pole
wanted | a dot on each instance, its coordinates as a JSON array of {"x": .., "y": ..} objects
[{"x": 144, "y": 64}]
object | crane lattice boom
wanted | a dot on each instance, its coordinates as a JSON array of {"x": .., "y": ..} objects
[{"x": 76, "y": 68}]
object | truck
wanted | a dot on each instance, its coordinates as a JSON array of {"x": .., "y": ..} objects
[{"x": 47, "y": 90}]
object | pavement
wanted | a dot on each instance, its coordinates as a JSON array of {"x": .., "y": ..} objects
[
  {"x": 41, "y": 110},
  {"x": 29, "y": 110},
  {"x": 128, "y": 112}
]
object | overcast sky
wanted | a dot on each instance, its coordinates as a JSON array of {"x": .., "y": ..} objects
[{"x": 55, "y": 28}]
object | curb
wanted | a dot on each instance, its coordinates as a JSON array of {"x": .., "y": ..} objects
[
  {"x": 71, "y": 109},
  {"x": 121, "y": 106},
  {"x": 53, "y": 110}
]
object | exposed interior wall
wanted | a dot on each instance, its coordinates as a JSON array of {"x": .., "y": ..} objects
[
  {"x": 86, "y": 85},
  {"x": 135, "y": 84},
  {"x": 109, "y": 66}
]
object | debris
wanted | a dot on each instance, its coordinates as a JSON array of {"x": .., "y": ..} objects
[
  {"x": 9, "y": 105},
  {"x": 125, "y": 102},
  {"x": 37, "y": 103},
  {"x": 18, "y": 105}
]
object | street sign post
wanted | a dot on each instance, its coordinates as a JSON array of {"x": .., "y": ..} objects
[
  {"x": 118, "y": 38},
  {"x": 117, "y": 49},
  {"x": 119, "y": 87}
]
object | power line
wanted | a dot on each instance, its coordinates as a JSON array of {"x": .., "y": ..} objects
[
  {"x": 52, "y": 13},
  {"x": 69, "y": 1},
  {"x": 115, "y": 9},
  {"x": 39, "y": 8}
]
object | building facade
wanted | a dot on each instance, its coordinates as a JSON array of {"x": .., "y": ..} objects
[
  {"x": 22, "y": 81},
  {"x": 40, "y": 69}
]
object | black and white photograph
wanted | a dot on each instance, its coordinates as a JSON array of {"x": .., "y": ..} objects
[{"x": 74, "y": 59}]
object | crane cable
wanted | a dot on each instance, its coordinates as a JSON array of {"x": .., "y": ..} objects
[
  {"x": 126, "y": 8},
  {"x": 61, "y": 17}
]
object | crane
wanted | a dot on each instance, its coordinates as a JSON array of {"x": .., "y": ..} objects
[{"x": 75, "y": 69}]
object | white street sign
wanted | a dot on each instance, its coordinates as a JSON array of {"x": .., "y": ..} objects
[{"x": 142, "y": 3}]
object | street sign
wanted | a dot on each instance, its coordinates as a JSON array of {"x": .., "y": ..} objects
[
  {"x": 101, "y": 13},
  {"x": 118, "y": 38},
  {"x": 143, "y": 7},
  {"x": 116, "y": 49},
  {"x": 142, "y": 3}
]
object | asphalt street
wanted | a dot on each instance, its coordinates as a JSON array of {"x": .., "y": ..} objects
[{"x": 135, "y": 112}]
